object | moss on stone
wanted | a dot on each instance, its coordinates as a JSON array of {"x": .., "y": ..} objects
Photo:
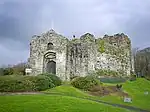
[
  {"x": 87, "y": 37},
  {"x": 101, "y": 46}
]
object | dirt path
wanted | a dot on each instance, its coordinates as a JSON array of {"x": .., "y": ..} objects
[{"x": 98, "y": 101}]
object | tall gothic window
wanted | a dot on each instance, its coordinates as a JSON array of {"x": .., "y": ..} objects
[{"x": 50, "y": 46}]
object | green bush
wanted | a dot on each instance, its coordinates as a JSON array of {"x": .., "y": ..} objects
[
  {"x": 85, "y": 83},
  {"x": 8, "y": 71},
  {"x": 56, "y": 80},
  {"x": 133, "y": 77},
  {"x": 24, "y": 83}
]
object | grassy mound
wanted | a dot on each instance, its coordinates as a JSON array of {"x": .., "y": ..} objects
[
  {"x": 139, "y": 86},
  {"x": 67, "y": 90},
  {"x": 48, "y": 103},
  {"x": 136, "y": 90}
]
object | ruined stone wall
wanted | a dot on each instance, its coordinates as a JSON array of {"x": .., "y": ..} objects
[
  {"x": 114, "y": 53},
  {"x": 80, "y": 56},
  {"x": 88, "y": 54},
  {"x": 38, "y": 50}
]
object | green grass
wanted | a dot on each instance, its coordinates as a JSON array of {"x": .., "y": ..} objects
[
  {"x": 67, "y": 90},
  {"x": 51, "y": 103},
  {"x": 46, "y": 103},
  {"x": 136, "y": 90}
]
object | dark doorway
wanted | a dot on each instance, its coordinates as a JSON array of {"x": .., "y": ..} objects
[{"x": 51, "y": 67}]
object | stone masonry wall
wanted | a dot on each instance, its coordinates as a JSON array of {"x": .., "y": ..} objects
[
  {"x": 38, "y": 48},
  {"x": 80, "y": 56}
]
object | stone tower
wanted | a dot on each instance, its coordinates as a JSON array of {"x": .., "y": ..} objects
[
  {"x": 48, "y": 54},
  {"x": 53, "y": 53}
]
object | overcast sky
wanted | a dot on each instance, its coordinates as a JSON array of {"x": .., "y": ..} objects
[{"x": 20, "y": 19}]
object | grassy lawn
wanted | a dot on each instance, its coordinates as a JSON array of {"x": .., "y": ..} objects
[
  {"x": 135, "y": 89},
  {"x": 56, "y": 103},
  {"x": 51, "y": 103}
]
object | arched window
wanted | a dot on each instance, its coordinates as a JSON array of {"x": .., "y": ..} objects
[{"x": 50, "y": 46}]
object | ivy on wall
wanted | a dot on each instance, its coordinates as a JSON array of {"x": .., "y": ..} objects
[{"x": 101, "y": 46}]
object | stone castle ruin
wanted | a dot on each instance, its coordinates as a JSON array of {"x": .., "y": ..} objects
[{"x": 54, "y": 53}]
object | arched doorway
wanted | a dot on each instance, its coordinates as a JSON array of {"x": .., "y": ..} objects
[{"x": 51, "y": 67}]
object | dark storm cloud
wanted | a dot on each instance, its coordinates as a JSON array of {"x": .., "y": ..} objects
[{"x": 20, "y": 19}]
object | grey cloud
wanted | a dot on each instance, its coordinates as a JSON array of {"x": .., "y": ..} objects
[{"x": 19, "y": 20}]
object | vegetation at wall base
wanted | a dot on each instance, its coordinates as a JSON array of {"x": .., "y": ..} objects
[
  {"x": 133, "y": 77},
  {"x": 112, "y": 79},
  {"x": 101, "y": 72},
  {"x": 55, "y": 79}
]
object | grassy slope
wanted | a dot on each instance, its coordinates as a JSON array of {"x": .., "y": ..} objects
[
  {"x": 49, "y": 103},
  {"x": 135, "y": 89},
  {"x": 67, "y": 90}
]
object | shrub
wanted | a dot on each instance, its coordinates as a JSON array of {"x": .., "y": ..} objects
[
  {"x": 119, "y": 86},
  {"x": 85, "y": 83},
  {"x": 7, "y": 71},
  {"x": 24, "y": 83},
  {"x": 56, "y": 80},
  {"x": 133, "y": 78},
  {"x": 41, "y": 82}
]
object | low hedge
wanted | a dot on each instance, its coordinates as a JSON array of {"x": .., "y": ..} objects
[
  {"x": 85, "y": 83},
  {"x": 24, "y": 83},
  {"x": 56, "y": 80}
]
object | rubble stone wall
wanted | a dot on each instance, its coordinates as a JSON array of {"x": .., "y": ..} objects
[{"x": 80, "y": 56}]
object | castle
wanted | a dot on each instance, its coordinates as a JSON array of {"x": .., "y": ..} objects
[{"x": 53, "y": 53}]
